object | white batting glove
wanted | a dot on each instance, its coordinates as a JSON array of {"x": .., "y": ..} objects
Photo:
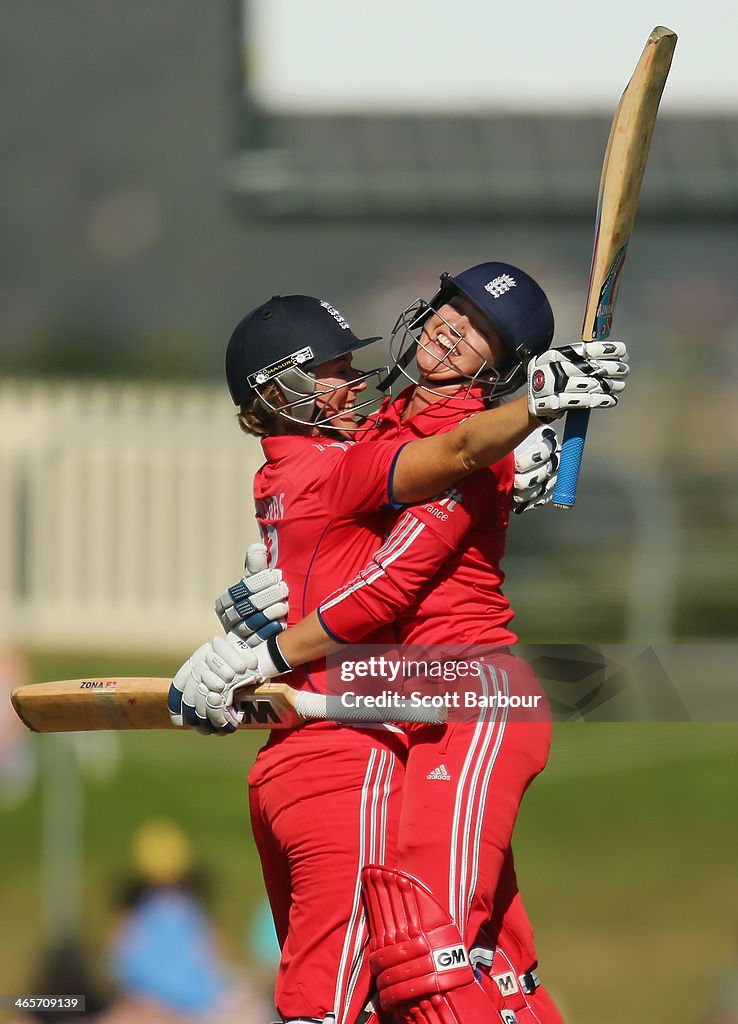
[
  {"x": 181, "y": 698},
  {"x": 536, "y": 465},
  {"x": 256, "y": 607},
  {"x": 230, "y": 667},
  {"x": 588, "y": 375}
]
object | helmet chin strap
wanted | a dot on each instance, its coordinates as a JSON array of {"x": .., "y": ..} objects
[{"x": 400, "y": 364}]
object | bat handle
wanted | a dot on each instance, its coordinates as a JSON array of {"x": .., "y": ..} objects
[
  {"x": 572, "y": 450},
  {"x": 319, "y": 707}
]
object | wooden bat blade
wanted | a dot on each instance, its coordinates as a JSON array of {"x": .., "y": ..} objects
[
  {"x": 81, "y": 705},
  {"x": 87, "y": 705},
  {"x": 623, "y": 168}
]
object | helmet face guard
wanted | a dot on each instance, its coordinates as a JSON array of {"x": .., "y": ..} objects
[
  {"x": 282, "y": 343},
  {"x": 508, "y": 299},
  {"x": 300, "y": 390},
  {"x": 488, "y": 382}
]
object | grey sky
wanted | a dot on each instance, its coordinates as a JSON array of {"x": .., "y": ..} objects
[{"x": 393, "y": 55}]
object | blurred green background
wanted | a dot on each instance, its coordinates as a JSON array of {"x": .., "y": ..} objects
[{"x": 626, "y": 852}]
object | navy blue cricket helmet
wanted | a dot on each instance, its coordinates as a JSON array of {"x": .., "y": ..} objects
[
  {"x": 514, "y": 304},
  {"x": 281, "y": 342},
  {"x": 510, "y": 299}
]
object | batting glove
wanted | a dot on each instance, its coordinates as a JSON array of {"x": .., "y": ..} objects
[
  {"x": 536, "y": 465},
  {"x": 256, "y": 607},
  {"x": 230, "y": 667},
  {"x": 588, "y": 375},
  {"x": 184, "y": 689}
]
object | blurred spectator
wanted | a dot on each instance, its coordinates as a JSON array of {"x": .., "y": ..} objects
[
  {"x": 723, "y": 1006},
  {"x": 17, "y": 760},
  {"x": 164, "y": 952},
  {"x": 64, "y": 970},
  {"x": 264, "y": 954}
]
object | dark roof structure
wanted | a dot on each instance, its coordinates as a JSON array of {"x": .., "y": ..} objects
[{"x": 517, "y": 165}]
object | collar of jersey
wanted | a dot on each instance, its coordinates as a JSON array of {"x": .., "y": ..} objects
[
  {"x": 286, "y": 445},
  {"x": 446, "y": 409}
]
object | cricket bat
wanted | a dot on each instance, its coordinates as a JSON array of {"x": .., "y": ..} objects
[
  {"x": 87, "y": 705},
  {"x": 620, "y": 184}
]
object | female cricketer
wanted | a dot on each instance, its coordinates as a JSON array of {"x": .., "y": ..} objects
[{"x": 463, "y": 355}]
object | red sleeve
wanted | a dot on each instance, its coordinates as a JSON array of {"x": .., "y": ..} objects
[
  {"x": 361, "y": 481},
  {"x": 421, "y": 541}
]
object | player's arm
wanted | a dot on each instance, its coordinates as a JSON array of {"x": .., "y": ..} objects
[
  {"x": 385, "y": 588},
  {"x": 430, "y": 465},
  {"x": 422, "y": 540},
  {"x": 369, "y": 476},
  {"x": 412, "y": 554},
  {"x": 306, "y": 641},
  {"x": 574, "y": 377},
  {"x": 223, "y": 668}
]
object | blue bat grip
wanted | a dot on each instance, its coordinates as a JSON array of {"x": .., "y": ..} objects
[{"x": 572, "y": 450}]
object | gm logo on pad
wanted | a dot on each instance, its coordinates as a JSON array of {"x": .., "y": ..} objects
[{"x": 449, "y": 958}]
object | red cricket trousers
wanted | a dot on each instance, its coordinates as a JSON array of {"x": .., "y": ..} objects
[
  {"x": 463, "y": 786},
  {"x": 324, "y": 803}
]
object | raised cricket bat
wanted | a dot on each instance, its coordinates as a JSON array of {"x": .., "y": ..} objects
[
  {"x": 86, "y": 705},
  {"x": 620, "y": 184}
]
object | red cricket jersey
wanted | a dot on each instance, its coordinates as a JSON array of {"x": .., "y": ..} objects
[
  {"x": 319, "y": 506},
  {"x": 438, "y": 573}
]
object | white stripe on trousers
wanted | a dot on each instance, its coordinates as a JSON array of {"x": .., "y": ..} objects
[
  {"x": 482, "y": 801},
  {"x": 479, "y": 763},
  {"x": 376, "y": 856},
  {"x": 372, "y": 848}
]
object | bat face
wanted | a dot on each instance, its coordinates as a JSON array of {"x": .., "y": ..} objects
[
  {"x": 623, "y": 168},
  {"x": 84, "y": 705},
  {"x": 79, "y": 705}
]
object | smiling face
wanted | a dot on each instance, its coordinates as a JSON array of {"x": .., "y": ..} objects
[
  {"x": 337, "y": 383},
  {"x": 457, "y": 341}
]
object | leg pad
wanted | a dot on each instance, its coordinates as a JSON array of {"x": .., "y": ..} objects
[{"x": 416, "y": 953}]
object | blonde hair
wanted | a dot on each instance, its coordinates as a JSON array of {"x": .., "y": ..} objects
[{"x": 258, "y": 420}]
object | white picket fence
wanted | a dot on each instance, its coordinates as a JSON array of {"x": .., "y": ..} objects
[{"x": 124, "y": 510}]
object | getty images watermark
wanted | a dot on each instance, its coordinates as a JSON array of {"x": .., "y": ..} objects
[
  {"x": 559, "y": 682},
  {"x": 465, "y": 683}
]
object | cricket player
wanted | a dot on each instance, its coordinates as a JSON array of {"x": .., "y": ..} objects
[{"x": 389, "y": 473}]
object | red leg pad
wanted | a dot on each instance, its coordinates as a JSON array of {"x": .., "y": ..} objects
[{"x": 417, "y": 955}]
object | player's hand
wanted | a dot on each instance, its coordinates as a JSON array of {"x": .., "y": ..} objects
[
  {"x": 184, "y": 688},
  {"x": 536, "y": 465},
  {"x": 588, "y": 375},
  {"x": 256, "y": 607},
  {"x": 230, "y": 667}
]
